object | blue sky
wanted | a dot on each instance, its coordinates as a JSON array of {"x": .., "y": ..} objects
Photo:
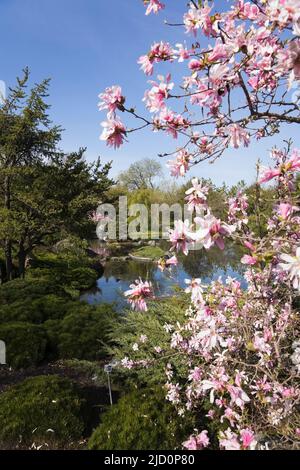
[{"x": 86, "y": 45}]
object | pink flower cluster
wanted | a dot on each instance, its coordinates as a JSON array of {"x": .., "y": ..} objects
[
  {"x": 153, "y": 6},
  {"x": 237, "y": 211},
  {"x": 114, "y": 130},
  {"x": 181, "y": 164},
  {"x": 239, "y": 345},
  {"x": 196, "y": 196},
  {"x": 138, "y": 293},
  {"x": 235, "y": 82},
  {"x": 284, "y": 166},
  {"x": 156, "y": 96}
]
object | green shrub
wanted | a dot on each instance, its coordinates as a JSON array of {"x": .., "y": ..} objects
[
  {"x": 20, "y": 289},
  {"x": 25, "y": 344},
  {"x": 82, "y": 333},
  {"x": 35, "y": 310},
  {"x": 70, "y": 272},
  {"x": 129, "y": 329},
  {"x": 71, "y": 281},
  {"x": 141, "y": 420},
  {"x": 31, "y": 409}
]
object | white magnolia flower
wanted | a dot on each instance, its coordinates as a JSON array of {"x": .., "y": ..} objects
[
  {"x": 291, "y": 264},
  {"x": 195, "y": 287}
]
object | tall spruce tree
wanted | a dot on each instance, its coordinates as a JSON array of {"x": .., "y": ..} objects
[
  {"x": 45, "y": 194},
  {"x": 27, "y": 137}
]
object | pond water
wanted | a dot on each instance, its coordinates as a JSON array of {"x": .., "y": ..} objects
[{"x": 118, "y": 275}]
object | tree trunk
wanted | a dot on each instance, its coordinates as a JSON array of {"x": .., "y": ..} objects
[
  {"x": 8, "y": 259},
  {"x": 8, "y": 242},
  {"x": 22, "y": 260}
]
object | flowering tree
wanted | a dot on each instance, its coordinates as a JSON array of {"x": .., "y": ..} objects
[
  {"x": 235, "y": 80},
  {"x": 241, "y": 347}
]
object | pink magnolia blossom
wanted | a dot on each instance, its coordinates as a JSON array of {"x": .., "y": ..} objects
[
  {"x": 197, "y": 442},
  {"x": 212, "y": 231},
  {"x": 228, "y": 440},
  {"x": 249, "y": 245},
  {"x": 195, "y": 288},
  {"x": 180, "y": 237},
  {"x": 191, "y": 20},
  {"x": 238, "y": 396},
  {"x": 154, "y": 6},
  {"x": 216, "y": 383},
  {"x": 218, "y": 74},
  {"x": 173, "y": 394},
  {"x": 196, "y": 374},
  {"x": 156, "y": 96},
  {"x": 293, "y": 164},
  {"x": 173, "y": 123},
  {"x": 237, "y": 212},
  {"x": 268, "y": 174},
  {"x": 196, "y": 196},
  {"x": 248, "y": 439},
  {"x": 285, "y": 210},
  {"x": 197, "y": 18},
  {"x": 160, "y": 51},
  {"x": 255, "y": 82},
  {"x": 172, "y": 261},
  {"x": 248, "y": 10},
  {"x": 111, "y": 99},
  {"x": 251, "y": 260},
  {"x": 282, "y": 11},
  {"x": 138, "y": 293},
  {"x": 182, "y": 52},
  {"x": 196, "y": 65},
  {"x": 232, "y": 416},
  {"x": 146, "y": 64},
  {"x": 261, "y": 344},
  {"x": 289, "y": 166},
  {"x": 296, "y": 25},
  {"x": 113, "y": 133},
  {"x": 220, "y": 51},
  {"x": 238, "y": 136},
  {"x": 181, "y": 164}
]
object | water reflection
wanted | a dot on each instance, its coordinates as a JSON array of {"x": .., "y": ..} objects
[{"x": 118, "y": 275}]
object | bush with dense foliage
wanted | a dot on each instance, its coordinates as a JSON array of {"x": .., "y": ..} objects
[
  {"x": 82, "y": 334},
  {"x": 71, "y": 272},
  {"x": 20, "y": 289},
  {"x": 147, "y": 333},
  {"x": 25, "y": 344},
  {"x": 35, "y": 310},
  {"x": 141, "y": 420},
  {"x": 41, "y": 409}
]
